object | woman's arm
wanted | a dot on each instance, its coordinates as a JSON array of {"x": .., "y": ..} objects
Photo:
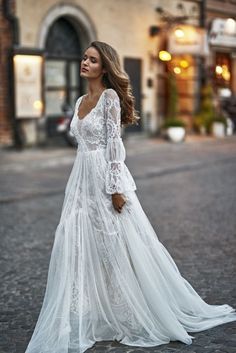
[{"x": 118, "y": 178}]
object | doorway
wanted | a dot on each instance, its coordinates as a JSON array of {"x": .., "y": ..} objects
[
  {"x": 133, "y": 67},
  {"x": 62, "y": 83}
]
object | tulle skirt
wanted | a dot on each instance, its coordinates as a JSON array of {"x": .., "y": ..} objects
[{"x": 110, "y": 278}]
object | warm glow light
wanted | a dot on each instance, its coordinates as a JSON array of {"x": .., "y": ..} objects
[
  {"x": 225, "y": 72},
  {"x": 177, "y": 70},
  {"x": 28, "y": 85},
  {"x": 218, "y": 70},
  {"x": 38, "y": 105},
  {"x": 184, "y": 64},
  {"x": 230, "y": 26},
  {"x": 164, "y": 55},
  {"x": 226, "y": 75},
  {"x": 27, "y": 58},
  {"x": 179, "y": 33}
]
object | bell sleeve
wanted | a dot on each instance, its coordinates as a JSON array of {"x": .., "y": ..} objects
[{"x": 118, "y": 177}]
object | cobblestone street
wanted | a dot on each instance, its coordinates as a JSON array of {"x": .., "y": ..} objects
[{"x": 188, "y": 192}]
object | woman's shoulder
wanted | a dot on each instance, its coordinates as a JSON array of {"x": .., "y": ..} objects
[
  {"x": 79, "y": 98},
  {"x": 111, "y": 93}
]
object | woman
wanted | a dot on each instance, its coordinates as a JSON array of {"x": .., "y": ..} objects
[{"x": 110, "y": 278}]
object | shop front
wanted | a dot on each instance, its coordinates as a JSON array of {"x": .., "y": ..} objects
[
  {"x": 182, "y": 58},
  {"x": 222, "y": 40}
]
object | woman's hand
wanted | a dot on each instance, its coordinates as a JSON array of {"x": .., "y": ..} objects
[{"x": 118, "y": 201}]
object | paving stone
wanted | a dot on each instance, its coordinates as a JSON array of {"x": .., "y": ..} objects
[{"x": 188, "y": 192}]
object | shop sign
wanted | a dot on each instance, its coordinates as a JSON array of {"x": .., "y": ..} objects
[
  {"x": 223, "y": 32},
  {"x": 186, "y": 39},
  {"x": 28, "y": 85}
]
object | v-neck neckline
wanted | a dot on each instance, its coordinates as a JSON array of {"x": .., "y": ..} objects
[{"x": 91, "y": 109}]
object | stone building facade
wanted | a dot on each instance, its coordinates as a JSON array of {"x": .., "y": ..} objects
[
  {"x": 46, "y": 57},
  {"x": 6, "y": 44}
]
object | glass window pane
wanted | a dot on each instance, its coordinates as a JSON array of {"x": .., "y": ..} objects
[
  {"x": 55, "y": 73},
  {"x": 74, "y": 95},
  {"x": 74, "y": 74},
  {"x": 54, "y": 101}
]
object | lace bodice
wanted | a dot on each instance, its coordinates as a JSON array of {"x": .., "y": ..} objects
[{"x": 100, "y": 130}]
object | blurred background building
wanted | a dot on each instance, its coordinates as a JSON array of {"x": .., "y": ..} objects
[{"x": 42, "y": 42}]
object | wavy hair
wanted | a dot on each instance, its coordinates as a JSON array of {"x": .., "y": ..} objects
[{"x": 116, "y": 78}]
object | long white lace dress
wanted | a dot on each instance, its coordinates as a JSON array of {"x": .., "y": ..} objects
[{"x": 109, "y": 277}]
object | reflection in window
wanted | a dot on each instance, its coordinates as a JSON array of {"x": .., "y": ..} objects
[
  {"x": 54, "y": 101},
  {"x": 55, "y": 73}
]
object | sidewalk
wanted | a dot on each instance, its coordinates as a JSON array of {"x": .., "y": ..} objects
[
  {"x": 133, "y": 143},
  {"x": 35, "y": 172}
]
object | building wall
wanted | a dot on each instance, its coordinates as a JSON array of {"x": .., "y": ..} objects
[
  {"x": 123, "y": 24},
  {"x": 222, "y": 9},
  {"x": 6, "y": 39}
]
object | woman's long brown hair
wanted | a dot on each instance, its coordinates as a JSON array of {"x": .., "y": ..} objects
[{"x": 117, "y": 79}]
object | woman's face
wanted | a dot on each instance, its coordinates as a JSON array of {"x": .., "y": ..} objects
[{"x": 91, "y": 64}]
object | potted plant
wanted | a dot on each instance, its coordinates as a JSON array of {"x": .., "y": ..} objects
[
  {"x": 208, "y": 120},
  {"x": 175, "y": 129},
  {"x": 174, "y": 126},
  {"x": 218, "y": 127},
  {"x": 203, "y": 119}
]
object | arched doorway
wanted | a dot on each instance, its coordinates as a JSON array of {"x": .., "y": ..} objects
[
  {"x": 65, "y": 32},
  {"x": 62, "y": 81}
]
